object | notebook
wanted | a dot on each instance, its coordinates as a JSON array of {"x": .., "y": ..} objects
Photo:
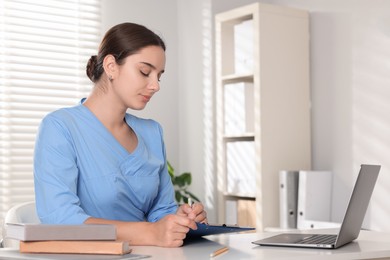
[{"x": 352, "y": 222}]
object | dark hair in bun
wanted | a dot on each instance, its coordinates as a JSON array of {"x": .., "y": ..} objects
[{"x": 121, "y": 41}]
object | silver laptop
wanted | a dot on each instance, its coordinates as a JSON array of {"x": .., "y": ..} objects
[{"x": 352, "y": 222}]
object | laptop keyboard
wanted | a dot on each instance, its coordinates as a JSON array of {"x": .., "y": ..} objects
[{"x": 319, "y": 239}]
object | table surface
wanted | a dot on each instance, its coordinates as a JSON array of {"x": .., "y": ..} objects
[{"x": 369, "y": 245}]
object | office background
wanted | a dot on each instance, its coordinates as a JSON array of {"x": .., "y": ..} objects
[
  {"x": 350, "y": 79},
  {"x": 350, "y": 65}
]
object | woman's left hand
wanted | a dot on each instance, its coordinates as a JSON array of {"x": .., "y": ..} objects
[{"x": 195, "y": 212}]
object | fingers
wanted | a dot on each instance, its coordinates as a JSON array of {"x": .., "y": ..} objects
[
  {"x": 183, "y": 225},
  {"x": 196, "y": 212},
  {"x": 186, "y": 222},
  {"x": 202, "y": 217},
  {"x": 184, "y": 210},
  {"x": 172, "y": 230}
]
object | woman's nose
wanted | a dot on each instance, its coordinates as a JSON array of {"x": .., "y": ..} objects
[{"x": 155, "y": 85}]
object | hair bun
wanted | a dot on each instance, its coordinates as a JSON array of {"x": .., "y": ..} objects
[{"x": 91, "y": 68}]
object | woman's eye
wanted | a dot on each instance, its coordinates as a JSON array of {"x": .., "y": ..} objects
[{"x": 146, "y": 74}]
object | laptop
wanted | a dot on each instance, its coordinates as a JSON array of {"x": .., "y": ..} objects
[{"x": 352, "y": 222}]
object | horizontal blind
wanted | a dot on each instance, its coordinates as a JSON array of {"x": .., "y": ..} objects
[{"x": 44, "y": 48}]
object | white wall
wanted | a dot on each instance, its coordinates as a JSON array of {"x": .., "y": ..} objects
[
  {"x": 196, "y": 96},
  {"x": 350, "y": 78}
]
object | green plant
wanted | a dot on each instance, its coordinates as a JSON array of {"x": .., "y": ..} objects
[{"x": 181, "y": 183}]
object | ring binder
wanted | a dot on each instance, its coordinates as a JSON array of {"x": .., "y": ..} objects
[{"x": 288, "y": 199}]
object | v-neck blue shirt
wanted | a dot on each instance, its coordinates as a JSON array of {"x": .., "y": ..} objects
[{"x": 82, "y": 171}]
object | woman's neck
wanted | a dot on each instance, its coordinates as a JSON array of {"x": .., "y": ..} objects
[{"x": 106, "y": 109}]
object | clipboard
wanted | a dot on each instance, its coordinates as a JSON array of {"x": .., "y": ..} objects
[{"x": 215, "y": 229}]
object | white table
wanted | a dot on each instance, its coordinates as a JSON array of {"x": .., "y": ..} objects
[{"x": 369, "y": 245}]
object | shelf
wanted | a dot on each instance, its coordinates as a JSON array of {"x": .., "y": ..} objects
[
  {"x": 243, "y": 137},
  {"x": 262, "y": 108},
  {"x": 235, "y": 78},
  {"x": 239, "y": 196}
]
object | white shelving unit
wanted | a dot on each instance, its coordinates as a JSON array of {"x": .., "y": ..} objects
[{"x": 263, "y": 108}]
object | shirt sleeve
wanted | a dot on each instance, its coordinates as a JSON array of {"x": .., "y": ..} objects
[
  {"x": 56, "y": 175},
  {"x": 164, "y": 203}
]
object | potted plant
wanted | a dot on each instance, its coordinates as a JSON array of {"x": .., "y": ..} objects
[{"x": 181, "y": 183}]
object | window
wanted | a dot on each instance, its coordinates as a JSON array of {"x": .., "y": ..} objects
[{"x": 44, "y": 48}]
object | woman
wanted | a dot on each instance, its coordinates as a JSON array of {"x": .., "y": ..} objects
[{"x": 95, "y": 163}]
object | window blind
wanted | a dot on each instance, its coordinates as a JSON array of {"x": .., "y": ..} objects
[{"x": 44, "y": 48}]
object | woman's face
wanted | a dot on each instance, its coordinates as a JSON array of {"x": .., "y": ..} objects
[{"x": 138, "y": 78}]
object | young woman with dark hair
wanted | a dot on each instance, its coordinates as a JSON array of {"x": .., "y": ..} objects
[{"x": 96, "y": 163}]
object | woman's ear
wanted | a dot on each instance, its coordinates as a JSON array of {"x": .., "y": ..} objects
[{"x": 110, "y": 66}]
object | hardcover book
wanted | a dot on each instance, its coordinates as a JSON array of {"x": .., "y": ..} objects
[
  {"x": 76, "y": 247},
  {"x": 39, "y": 232}
]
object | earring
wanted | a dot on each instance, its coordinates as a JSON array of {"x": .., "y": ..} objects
[{"x": 110, "y": 77}]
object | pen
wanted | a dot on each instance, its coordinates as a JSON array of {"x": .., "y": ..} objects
[
  {"x": 190, "y": 203},
  {"x": 219, "y": 251}
]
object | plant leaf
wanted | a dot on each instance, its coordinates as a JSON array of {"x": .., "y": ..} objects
[
  {"x": 181, "y": 183},
  {"x": 187, "y": 178},
  {"x": 184, "y": 179},
  {"x": 171, "y": 171},
  {"x": 174, "y": 181},
  {"x": 178, "y": 196},
  {"x": 180, "y": 180}
]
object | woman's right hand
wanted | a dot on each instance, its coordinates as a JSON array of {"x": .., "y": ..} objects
[{"x": 171, "y": 230}]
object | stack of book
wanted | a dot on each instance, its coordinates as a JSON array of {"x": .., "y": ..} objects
[{"x": 67, "y": 239}]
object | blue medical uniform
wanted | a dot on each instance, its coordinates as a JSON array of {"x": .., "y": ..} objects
[{"x": 82, "y": 171}]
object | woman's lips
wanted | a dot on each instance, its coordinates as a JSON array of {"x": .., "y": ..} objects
[{"x": 146, "y": 98}]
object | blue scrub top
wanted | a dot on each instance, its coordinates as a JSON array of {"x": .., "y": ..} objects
[{"x": 82, "y": 171}]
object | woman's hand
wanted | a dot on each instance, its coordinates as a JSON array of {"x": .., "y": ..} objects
[
  {"x": 195, "y": 212},
  {"x": 171, "y": 230}
]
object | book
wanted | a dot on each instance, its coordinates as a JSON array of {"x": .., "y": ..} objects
[
  {"x": 39, "y": 232},
  {"x": 75, "y": 247}
]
